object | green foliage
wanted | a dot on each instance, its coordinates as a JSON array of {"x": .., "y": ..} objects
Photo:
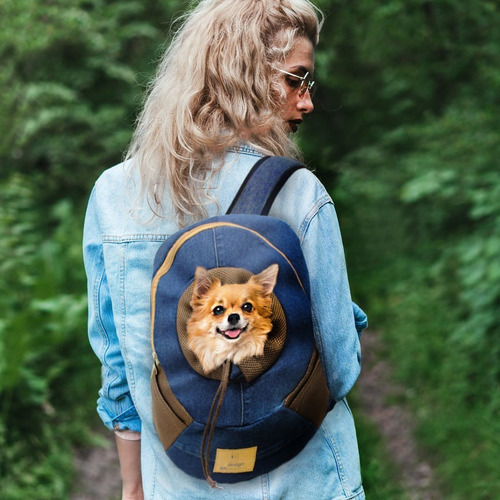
[
  {"x": 384, "y": 64},
  {"x": 434, "y": 282},
  {"x": 44, "y": 378},
  {"x": 409, "y": 143},
  {"x": 405, "y": 133},
  {"x": 71, "y": 72},
  {"x": 71, "y": 75}
]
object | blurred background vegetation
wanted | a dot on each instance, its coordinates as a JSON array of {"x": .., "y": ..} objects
[{"x": 406, "y": 137}]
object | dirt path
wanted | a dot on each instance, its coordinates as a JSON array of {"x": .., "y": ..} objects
[
  {"x": 98, "y": 472},
  {"x": 99, "y": 476},
  {"x": 394, "y": 422}
]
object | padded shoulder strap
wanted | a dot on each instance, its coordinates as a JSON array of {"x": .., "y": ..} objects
[{"x": 262, "y": 184}]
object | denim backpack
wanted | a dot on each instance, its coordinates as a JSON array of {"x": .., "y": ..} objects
[{"x": 239, "y": 421}]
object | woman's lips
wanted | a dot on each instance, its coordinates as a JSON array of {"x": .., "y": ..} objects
[{"x": 294, "y": 125}]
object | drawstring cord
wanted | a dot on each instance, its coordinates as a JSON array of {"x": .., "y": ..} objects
[{"x": 212, "y": 421}]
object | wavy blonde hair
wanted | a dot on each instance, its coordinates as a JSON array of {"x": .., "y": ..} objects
[{"x": 216, "y": 86}]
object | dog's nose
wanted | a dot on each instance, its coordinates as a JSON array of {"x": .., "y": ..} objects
[{"x": 233, "y": 319}]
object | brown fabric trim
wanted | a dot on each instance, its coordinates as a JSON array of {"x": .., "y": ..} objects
[
  {"x": 169, "y": 416},
  {"x": 310, "y": 398}
]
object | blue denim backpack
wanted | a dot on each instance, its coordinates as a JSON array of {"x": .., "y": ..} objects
[{"x": 239, "y": 421}]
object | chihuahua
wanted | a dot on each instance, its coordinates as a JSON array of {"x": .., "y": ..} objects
[{"x": 230, "y": 322}]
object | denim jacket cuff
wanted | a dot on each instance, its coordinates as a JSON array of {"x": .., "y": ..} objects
[
  {"x": 360, "y": 319},
  {"x": 127, "y": 420}
]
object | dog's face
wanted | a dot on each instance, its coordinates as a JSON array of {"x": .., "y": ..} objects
[{"x": 230, "y": 321}]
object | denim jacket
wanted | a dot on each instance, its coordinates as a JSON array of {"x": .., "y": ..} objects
[{"x": 121, "y": 237}]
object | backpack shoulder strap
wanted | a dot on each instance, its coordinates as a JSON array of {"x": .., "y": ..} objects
[{"x": 262, "y": 184}]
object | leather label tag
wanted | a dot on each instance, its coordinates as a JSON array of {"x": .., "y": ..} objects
[{"x": 235, "y": 461}]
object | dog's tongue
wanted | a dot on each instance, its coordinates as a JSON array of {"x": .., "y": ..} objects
[{"x": 232, "y": 334}]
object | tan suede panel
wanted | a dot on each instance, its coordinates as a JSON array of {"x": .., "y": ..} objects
[
  {"x": 310, "y": 398},
  {"x": 169, "y": 416}
]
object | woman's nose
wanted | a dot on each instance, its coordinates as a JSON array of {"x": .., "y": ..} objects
[{"x": 305, "y": 104}]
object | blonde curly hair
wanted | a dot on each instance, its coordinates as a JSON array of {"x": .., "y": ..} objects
[{"x": 216, "y": 86}]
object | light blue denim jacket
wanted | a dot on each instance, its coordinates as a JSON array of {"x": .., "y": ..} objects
[{"x": 121, "y": 238}]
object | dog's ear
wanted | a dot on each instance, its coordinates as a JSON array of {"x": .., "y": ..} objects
[
  {"x": 202, "y": 282},
  {"x": 266, "y": 279}
]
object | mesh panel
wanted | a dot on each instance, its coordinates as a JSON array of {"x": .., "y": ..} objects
[{"x": 251, "y": 367}]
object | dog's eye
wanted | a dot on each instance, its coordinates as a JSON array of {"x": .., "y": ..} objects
[
  {"x": 247, "y": 307},
  {"x": 218, "y": 310}
]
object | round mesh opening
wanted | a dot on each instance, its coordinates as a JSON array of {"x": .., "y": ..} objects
[{"x": 253, "y": 366}]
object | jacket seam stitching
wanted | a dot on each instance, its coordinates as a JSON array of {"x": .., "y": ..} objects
[
  {"x": 99, "y": 283},
  {"x": 313, "y": 212},
  {"x": 246, "y": 151},
  {"x": 338, "y": 460},
  {"x": 123, "y": 345},
  {"x": 131, "y": 238}
]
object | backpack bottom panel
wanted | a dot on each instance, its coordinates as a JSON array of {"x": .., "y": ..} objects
[{"x": 286, "y": 430}]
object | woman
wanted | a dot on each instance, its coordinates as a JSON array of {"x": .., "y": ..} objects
[{"x": 233, "y": 85}]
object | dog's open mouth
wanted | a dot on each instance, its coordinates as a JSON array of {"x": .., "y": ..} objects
[{"x": 232, "y": 334}]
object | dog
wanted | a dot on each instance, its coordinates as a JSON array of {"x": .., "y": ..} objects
[{"x": 232, "y": 321}]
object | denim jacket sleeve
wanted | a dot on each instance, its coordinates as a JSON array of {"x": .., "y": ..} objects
[
  {"x": 114, "y": 405},
  {"x": 337, "y": 320}
]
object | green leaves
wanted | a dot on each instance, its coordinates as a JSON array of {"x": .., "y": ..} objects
[
  {"x": 408, "y": 137},
  {"x": 71, "y": 78},
  {"x": 43, "y": 320},
  {"x": 405, "y": 130}
]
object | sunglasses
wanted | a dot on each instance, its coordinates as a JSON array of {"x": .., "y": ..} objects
[{"x": 302, "y": 84}]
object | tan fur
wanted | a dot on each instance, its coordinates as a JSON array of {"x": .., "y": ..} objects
[{"x": 206, "y": 329}]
